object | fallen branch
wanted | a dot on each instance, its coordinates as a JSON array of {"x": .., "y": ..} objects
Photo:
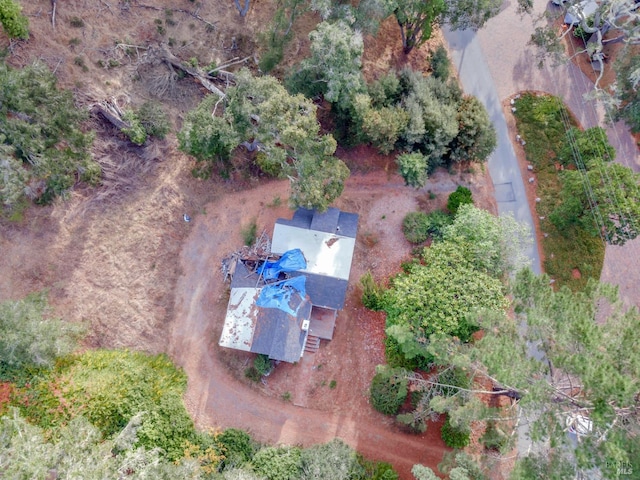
[
  {"x": 53, "y": 12},
  {"x": 174, "y": 61},
  {"x": 233, "y": 61},
  {"x": 111, "y": 112}
]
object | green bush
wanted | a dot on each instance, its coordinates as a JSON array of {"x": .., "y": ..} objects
[
  {"x": 154, "y": 119},
  {"x": 263, "y": 365},
  {"x": 278, "y": 463},
  {"x": 377, "y": 470},
  {"x": 13, "y": 22},
  {"x": 419, "y": 226},
  {"x": 249, "y": 233},
  {"x": 388, "y": 390},
  {"x": 109, "y": 388},
  {"x": 415, "y": 226},
  {"x": 372, "y": 293},
  {"x": 453, "y": 437},
  {"x": 413, "y": 168},
  {"x": 461, "y": 196},
  {"x": 440, "y": 63},
  {"x": 236, "y": 446},
  {"x": 332, "y": 460},
  {"x": 135, "y": 132}
]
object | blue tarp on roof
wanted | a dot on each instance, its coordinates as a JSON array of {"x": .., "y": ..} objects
[
  {"x": 290, "y": 261},
  {"x": 278, "y": 295}
]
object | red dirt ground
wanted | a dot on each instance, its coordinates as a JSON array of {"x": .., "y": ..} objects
[{"x": 218, "y": 394}]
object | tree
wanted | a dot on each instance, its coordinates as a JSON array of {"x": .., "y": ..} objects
[
  {"x": 628, "y": 90},
  {"x": 471, "y": 14},
  {"x": 585, "y": 370},
  {"x": 497, "y": 244},
  {"x": 604, "y": 200},
  {"x": 261, "y": 115},
  {"x": 278, "y": 463},
  {"x": 460, "y": 196},
  {"x": 416, "y": 19},
  {"x": 439, "y": 296},
  {"x": 335, "y": 64},
  {"x": 45, "y": 150},
  {"x": 13, "y": 22},
  {"x": 381, "y": 126},
  {"x": 80, "y": 452},
  {"x": 476, "y": 138},
  {"x": 331, "y": 460},
  {"x": 29, "y": 336},
  {"x": 620, "y": 16}
]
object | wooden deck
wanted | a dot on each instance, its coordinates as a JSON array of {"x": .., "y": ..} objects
[{"x": 323, "y": 321}]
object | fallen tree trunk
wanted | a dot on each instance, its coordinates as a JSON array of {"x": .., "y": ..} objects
[
  {"x": 175, "y": 62},
  {"x": 111, "y": 113}
]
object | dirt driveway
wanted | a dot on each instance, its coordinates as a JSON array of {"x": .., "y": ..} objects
[{"x": 327, "y": 392}]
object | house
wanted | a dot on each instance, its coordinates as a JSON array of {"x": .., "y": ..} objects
[{"x": 285, "y": 304}]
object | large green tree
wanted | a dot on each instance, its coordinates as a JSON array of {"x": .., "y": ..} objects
[
  {"x": 334, "y": 66},
  {"x": 574, "y": 365},
  {"x": 259, "y": 113},
  {"x": 44, "y": 150},
  {"x": 418, "y": 17},
  {"x": 30, "y": 336},
  {"x": 78, "y": 450},
  {"x": 476, "y": 138},
  {"x": 439, "y": 295}
]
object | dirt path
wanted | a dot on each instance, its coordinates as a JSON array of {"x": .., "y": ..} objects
[{"x": 218, "y": 395}]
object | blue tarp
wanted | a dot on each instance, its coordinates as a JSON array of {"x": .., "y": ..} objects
[
  {"x": 290, "y": 261},
  {"x": 278, "y": 295}
]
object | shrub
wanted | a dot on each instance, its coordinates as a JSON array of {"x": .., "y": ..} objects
[
  {"x": 263, "y": 365},
  {"x": 461, "y": 196},
  {"x": 372, "y": 293},
  {"x": 236, "y": 446},
  {"x": 388, "y": 390},
  {"x": 377, "y": 470},
  {"x": 13, "y": 22},
  {"x": 419, "y": 226},
  {"x": 415, "y": 226},
  {"x": 413, "y": 168},
  {"x": 278, "y": 463},
  {"x": 440, "y": 63},
  {"x": 154, "y": 119},
  {"x": 333, "y": 460},
  {"x": 249, "y": 233},
  {"x": 109, "y": 388},
  {"x": 454, "y": 437}
]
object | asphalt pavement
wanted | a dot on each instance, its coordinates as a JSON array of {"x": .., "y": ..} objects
[{"x": 503, "y": 166}]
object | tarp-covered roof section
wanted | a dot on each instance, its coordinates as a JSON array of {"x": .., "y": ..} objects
[{"x": 266, "y": 319}]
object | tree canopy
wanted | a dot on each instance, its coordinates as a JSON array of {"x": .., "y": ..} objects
[
  {"x": 455, "y": 278},
  {"x": 259, "y": 113},
  {"x": 43, "y": 148},
  {"x": 417, "y": 18},
  {"x": 30, "y": 336},
  {"x": 585, "y": 371}
]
